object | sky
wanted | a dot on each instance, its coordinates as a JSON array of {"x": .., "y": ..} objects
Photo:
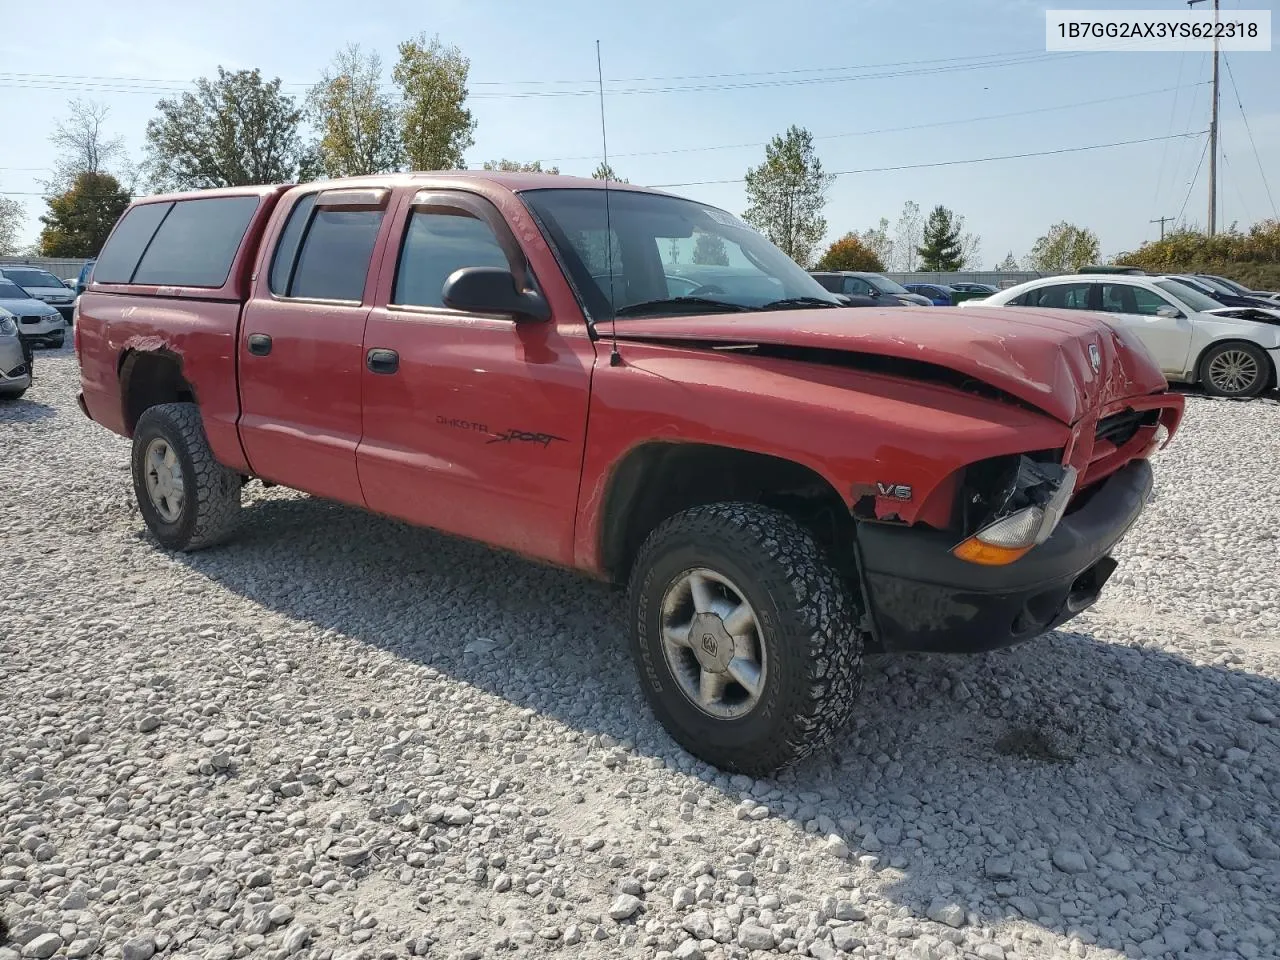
[{"x": 693, "y": 90}]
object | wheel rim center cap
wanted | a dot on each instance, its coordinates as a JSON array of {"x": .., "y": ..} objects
[{"x": 711, "y": 643}]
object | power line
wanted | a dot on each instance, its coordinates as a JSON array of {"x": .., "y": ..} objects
[
  {"x": 846, "y": 173},
  {"x": 503, "y": 83},
  {"x": 1194, "y": 177},
  {"x": 33, "y": 82},
  {"x": 950, "y": 163},
  {"x": 1164, "y": 154},
  {"x": 1261, "y": 172},
  {"x": 865, "y": 133}
]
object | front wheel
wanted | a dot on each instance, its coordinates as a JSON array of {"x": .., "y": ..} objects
[
  {"x": 744, "y": 636},
  {"x": 188, "y": 499},
  {"x": 1238, "y": 370}
]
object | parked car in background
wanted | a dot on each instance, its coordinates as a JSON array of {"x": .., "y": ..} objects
[
  {"x": 38, "y": 323},
  {"x": 1104, "y": 268},
  {"x": 86, "y": 273},
  {"x": 1231, "y": 351},
  {"x": 886, "y": 292},
  {"x": 1237, "y": 288},
  {"x": 15, "y": 360},
  {"x": 42, "y": 285},
  {"x": 1224, "y": 294},
  {"x": 969, "y": 286},
  {"x": 936, "y": 293}
]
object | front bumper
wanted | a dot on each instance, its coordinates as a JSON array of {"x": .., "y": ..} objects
[{"x": 921, "y": 598}]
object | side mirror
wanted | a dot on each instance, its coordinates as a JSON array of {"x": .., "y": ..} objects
[
  {"x": 493, "y": 290},
  {"x": 1168, "y": 312}
]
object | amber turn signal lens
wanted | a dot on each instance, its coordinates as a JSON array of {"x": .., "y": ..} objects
[{"x": 989, "y": 555}]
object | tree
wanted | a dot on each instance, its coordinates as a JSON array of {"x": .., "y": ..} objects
[
  {"x": 850, "y": 253},
  {"x": 83, "y": 145},
  {"x": 970, "y": 249},
  {"x": 80, "y": 218},
  {"x": 356, "y": 119},
  {"x": 436, "y": 127},
  {"x": 907, "y": 236},
  {"x": 786, "y": 194},
  {"x": 1009, "y": 264},
  {"x": 515, "y": 166},
  {"x": 878, "y": 241},
  {"x": 234, "y": 130},
  {"x": 1064, "y": 249},
  {"x": 709, "y": 249},
  {"x": 605, "y": 171},
  {"x": 940, "y": 246},
  {"x": 12, "y": 215}
]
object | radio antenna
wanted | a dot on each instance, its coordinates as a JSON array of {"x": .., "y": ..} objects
[{"x": 615, "y": 359}]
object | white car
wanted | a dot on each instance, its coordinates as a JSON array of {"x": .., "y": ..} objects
[
  {"x": 41, "y": 285},
  {"x": 15, "y": 362},
  {"x": 38, "y": 322},
  {"x": 1231, "y": 351}
]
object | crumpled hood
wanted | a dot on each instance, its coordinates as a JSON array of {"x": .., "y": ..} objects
[{"x": 1042, "y": 357}]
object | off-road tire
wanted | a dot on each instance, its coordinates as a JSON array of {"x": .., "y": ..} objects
[
  {"x": 807, "y": 621},
  {"x": 1252, "y": 390},
  {"x": 211, "y": 502}
]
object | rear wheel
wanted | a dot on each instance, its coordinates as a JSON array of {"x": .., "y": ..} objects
[
  {"x": 1239, "y": 370},
  {"x": 744, "y": 636},
  {"x": 188, "y": 499}
]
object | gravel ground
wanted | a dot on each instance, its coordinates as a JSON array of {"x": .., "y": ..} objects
[{"x": 342, "y": 737}]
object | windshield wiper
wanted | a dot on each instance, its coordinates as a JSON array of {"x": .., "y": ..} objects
[
  {"x": 789, "y": 302},
  {"x": 700, "y": 303}
]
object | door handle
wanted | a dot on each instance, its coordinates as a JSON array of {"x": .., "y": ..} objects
[
  {"x": 380, "y": 360},
  {"x": 259, "y": 344}
]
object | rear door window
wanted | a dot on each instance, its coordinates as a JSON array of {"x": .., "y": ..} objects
[
  {"x": 196, "y": 242},
  {"x": 1060, "y": 296},
  {"x": 119, "y": 258},
  {"x": 333, "y": 263}
]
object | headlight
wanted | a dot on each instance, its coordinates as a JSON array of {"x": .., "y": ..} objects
[
  {"x": 7, "y": 327},
  {"x": 1010, "y": 537}
]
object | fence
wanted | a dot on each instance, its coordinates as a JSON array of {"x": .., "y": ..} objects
[{"x": 66, "y": 268}]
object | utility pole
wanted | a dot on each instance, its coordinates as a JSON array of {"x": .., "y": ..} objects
[
  {"x": 1213, "y": 129},
  {"x": 1162, "y": 221}
]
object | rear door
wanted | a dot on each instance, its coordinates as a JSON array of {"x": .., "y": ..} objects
[
  {"x": 301, "y": 342},
  {"x": 473, "y": 424}
]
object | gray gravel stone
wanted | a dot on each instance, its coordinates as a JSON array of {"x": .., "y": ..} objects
[
  {"x": 624, "y": 906},
  {"x": 755, "y": 937},
  {"x": 43, "y": 946}
]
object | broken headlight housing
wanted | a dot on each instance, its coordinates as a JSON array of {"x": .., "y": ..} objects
[{"x": 1023, "y": 502}]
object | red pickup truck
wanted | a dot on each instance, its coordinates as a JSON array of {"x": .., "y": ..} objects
[{"x": 645, "y": 389}]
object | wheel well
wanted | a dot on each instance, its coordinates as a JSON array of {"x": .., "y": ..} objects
[
  {"x": 1198, "y": 369},
  {"x": 149, "y": 378},
  {"x": 658, "y": 480}
]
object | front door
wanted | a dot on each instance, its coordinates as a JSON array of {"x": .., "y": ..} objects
[
  {"x": 1167, "y": 337},
  {"x": 472, "y": 424},
  {"x": 301, "y": 344}
]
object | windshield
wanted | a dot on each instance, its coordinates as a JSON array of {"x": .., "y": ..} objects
[
  {"x": 11, "y": 291},
  {"x": 1227, "y": 286},
  {"x": 662, "y": 249},
  {"x": 1190, "y": 296},
  {"x": 26, "y": 277}
]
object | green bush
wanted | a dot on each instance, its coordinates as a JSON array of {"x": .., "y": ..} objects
[{"x": 1251, "y": 258}]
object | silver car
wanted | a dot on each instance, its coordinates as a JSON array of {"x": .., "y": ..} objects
[
  {"x": 15, "y": 365},
  {"x": 38, "y": 323},
  {"x": 42, "y": 285}
]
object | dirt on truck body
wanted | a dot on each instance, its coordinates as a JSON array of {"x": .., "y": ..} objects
[{"x": 642, "y": 388}]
